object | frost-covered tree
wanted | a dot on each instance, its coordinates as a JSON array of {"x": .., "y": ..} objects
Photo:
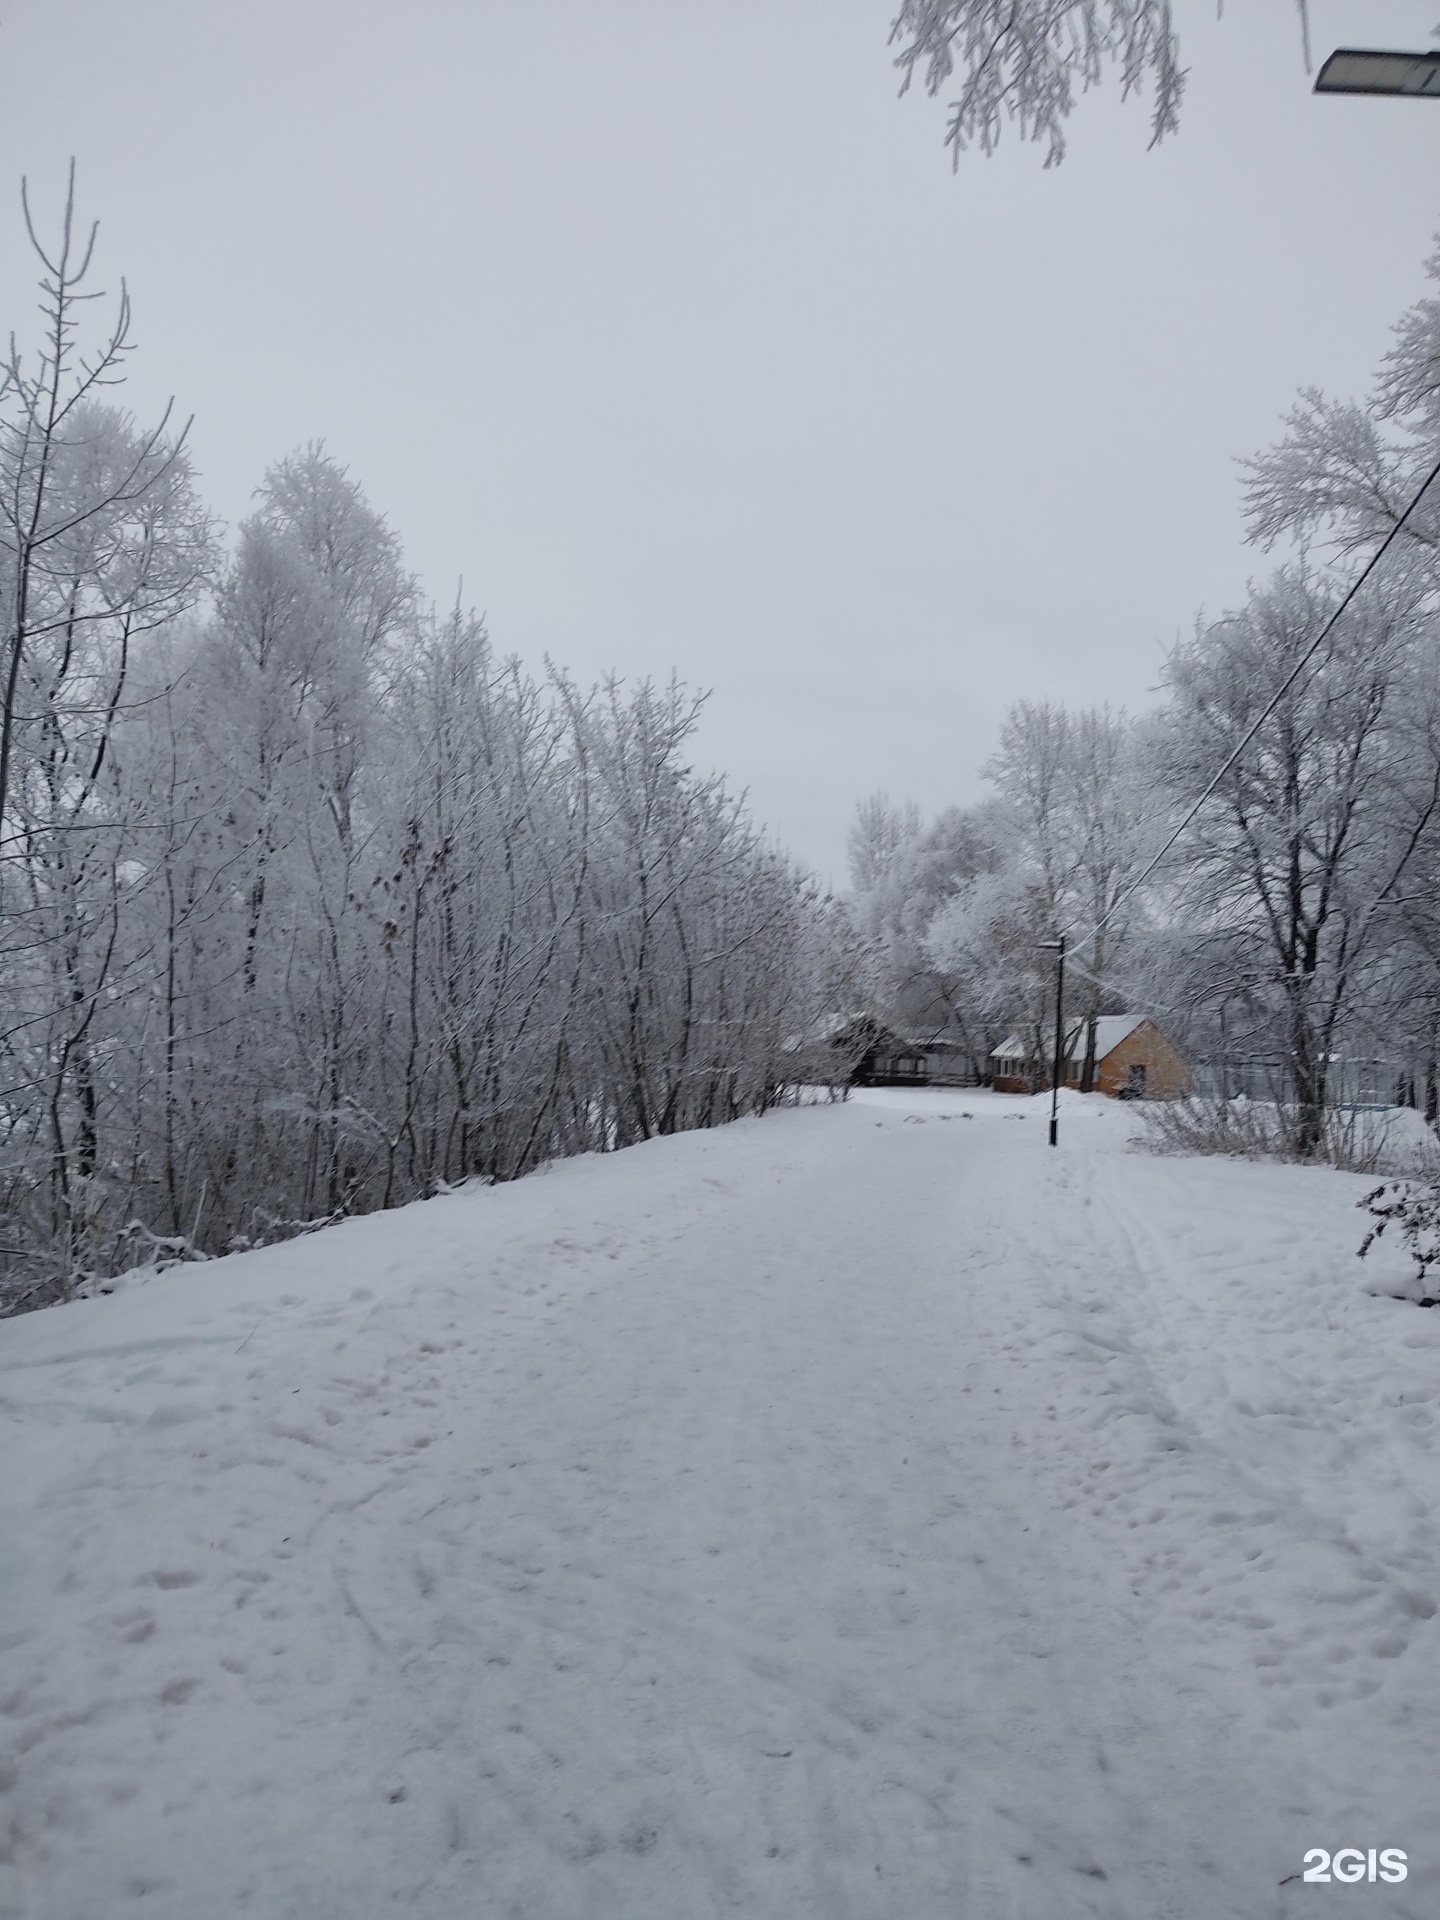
[
  {"x": 1026, "y": 61},
  {"x": 102, "y": 544},
  {"x": 1074, "y": 800},
  {"x": 1292, "y": 926},
  {"x": 1350, "y": 948},
  {"x": 96, "y": 524},
  {"x": 1289, "y": 877},
  {"x": 902, "y": 874},
  {"x": 984, "y": 942},
  {"x": 953, "y": 913},
  {"x": 1344, "y": 472},
  {"x": 312, "y": 904},
  {"x": 880, "y": 839}
]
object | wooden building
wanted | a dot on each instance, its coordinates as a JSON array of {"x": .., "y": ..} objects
[
  {"x": 873, "y": 1054},
  {"x": 1133, "y": 1060},
  {"x": 877, "y": 1056}
]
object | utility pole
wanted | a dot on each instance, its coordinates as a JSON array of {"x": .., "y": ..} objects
[{"x": 1057, "y": 947}]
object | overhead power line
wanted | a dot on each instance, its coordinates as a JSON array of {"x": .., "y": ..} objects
[{"x": 1264, "y": 714}]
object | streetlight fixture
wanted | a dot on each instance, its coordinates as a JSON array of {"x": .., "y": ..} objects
[
  {"x": 1369, "y": 70},
  {"x": 1057, "y": 947}
]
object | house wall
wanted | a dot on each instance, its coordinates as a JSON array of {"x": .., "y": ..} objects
[
  {"x": 1019, "y": 1082},
  {"x": 893, "y": 1067},
  {"x": 1167, "y": 1072}
]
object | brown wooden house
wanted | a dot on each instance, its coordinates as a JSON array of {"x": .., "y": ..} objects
[{"x": 1133, "y": 1060}]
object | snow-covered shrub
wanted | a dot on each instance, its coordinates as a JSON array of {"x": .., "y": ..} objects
[
  {"x": 1413, "y": 1206},
  {"x": 1251, "y": 1129},
  {"x": 1357, "y": 1140}
]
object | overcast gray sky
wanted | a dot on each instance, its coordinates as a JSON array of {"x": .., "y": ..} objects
[{"x": 669, "y": 328}]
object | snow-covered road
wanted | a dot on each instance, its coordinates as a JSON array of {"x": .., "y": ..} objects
[{"x": 862, "y": 1513}]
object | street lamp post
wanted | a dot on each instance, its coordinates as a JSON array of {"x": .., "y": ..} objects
[{"x": 1057, "y": 947}]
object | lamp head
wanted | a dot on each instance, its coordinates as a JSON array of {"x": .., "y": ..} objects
[{"x": 1370, "y": 70}]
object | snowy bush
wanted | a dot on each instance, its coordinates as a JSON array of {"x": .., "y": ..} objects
[
  {"x": 1242, "y": 1127},
  {"x": 1354, "y": 1139},
  {"x": 1413, "y": 1207}
]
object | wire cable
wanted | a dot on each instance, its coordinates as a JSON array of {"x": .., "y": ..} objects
[{"x": 1265, "y": 712}]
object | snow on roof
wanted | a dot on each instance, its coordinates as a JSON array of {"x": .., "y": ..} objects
[{"x": 1110, "y": 1030}]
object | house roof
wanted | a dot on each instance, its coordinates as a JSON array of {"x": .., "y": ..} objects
[
  {"x": 869, "y": 1029},
  {"x": 1110, "y": 1030}
]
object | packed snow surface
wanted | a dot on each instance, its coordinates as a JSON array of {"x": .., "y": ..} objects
[{"x": 862, "y": 1513}]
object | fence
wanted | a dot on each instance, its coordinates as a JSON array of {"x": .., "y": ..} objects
[{"x": 1352, "y": 1082}]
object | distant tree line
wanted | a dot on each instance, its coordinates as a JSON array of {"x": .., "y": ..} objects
[
  {"x": 310, "y": 903},
  {"x": 1296, "y": 923}
]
